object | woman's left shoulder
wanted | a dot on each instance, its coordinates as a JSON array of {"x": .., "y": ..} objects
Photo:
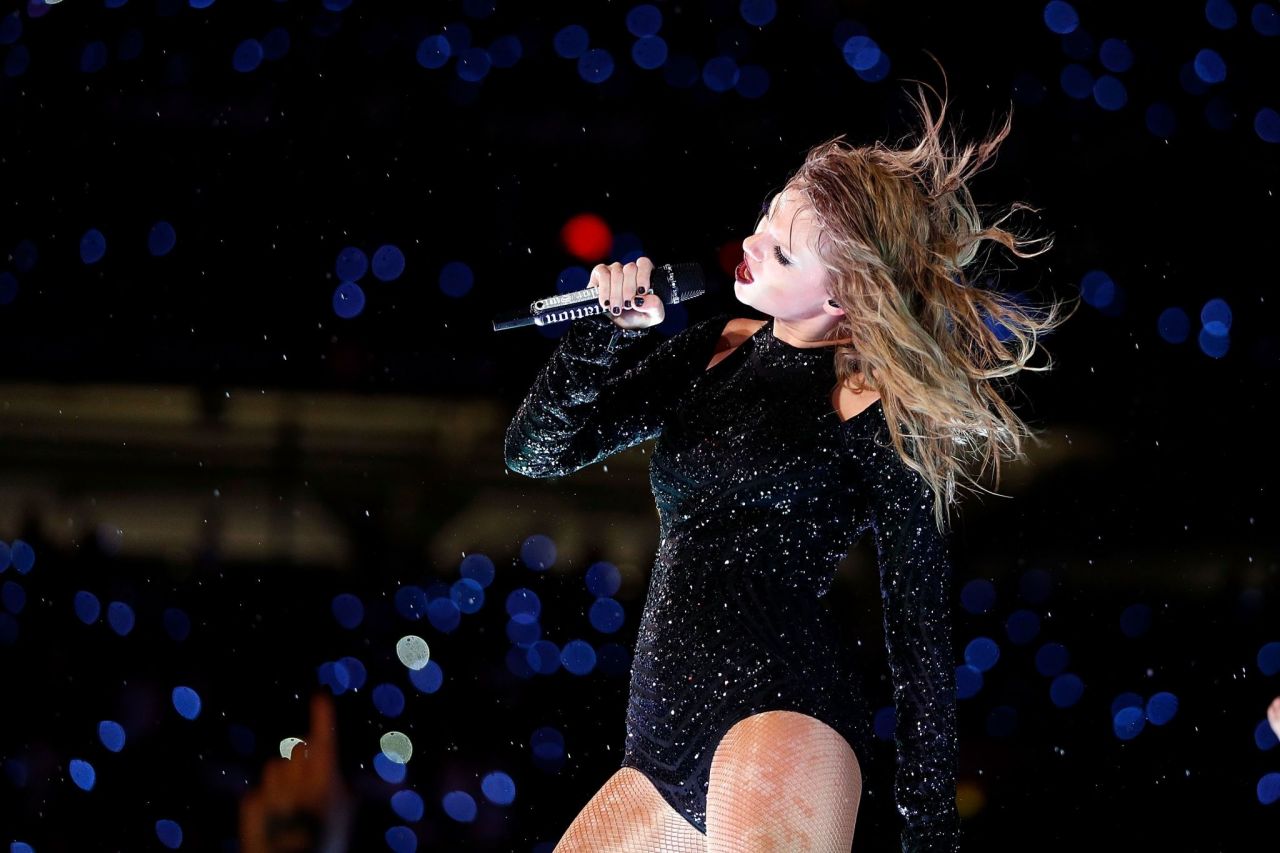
[{"x": 849, "y": 403}]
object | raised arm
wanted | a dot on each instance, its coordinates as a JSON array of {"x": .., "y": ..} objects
[
  {"x": 915, "y": 591},
  {"x": 603, "y": 390}
]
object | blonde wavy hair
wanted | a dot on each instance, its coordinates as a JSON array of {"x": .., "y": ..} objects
[{"x": 899, "y": 234}]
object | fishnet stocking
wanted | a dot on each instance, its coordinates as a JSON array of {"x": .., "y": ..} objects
[
  {"x": 783, "y": 781},
  {"x": 780, "y": 781},
  {"x": 628, "y": 815}
]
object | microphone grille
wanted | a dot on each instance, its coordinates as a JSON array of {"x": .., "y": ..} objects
[{"x": 686, "y": 281}]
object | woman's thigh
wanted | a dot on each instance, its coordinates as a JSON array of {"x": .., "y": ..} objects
[
  {"x": 628, "y": 815},
  {"x": 782, "y": 780}
]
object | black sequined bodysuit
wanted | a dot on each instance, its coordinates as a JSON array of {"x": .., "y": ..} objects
[{"x": 761, "y": 490}]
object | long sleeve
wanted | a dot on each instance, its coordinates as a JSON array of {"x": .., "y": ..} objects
[
  {"x": 915, "y": 589},
  {"x": 603, "y": 390}
]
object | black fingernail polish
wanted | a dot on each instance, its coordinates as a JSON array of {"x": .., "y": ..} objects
[
  {"x": 617, "y": 310},
  {"x": 626, "y": 303},
  {"x": 639, "y": 300},
  {"x": 606, "y": 303},
  {"x": 639, "y": 290}
]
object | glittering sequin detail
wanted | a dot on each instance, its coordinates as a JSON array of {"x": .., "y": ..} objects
[{"x": 761, "y": 490}]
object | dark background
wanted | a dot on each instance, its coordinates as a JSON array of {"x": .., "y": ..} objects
[{"x": 201, "y": 431}]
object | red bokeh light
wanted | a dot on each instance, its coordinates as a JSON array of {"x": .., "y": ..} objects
[
  {"x": 729, "y": 256},
  {"x": 587, "y": 237}
]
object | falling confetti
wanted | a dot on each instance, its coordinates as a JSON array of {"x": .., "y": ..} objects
[
  {"x": 413, "y": 651},
  {"x": 287, "y": 745},
  {"x": 397, "y": 747}
]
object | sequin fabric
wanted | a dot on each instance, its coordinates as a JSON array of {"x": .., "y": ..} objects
[{"x": 761, "y": 490}]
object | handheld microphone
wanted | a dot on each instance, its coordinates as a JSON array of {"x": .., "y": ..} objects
[{"x": 674, "y": 283}]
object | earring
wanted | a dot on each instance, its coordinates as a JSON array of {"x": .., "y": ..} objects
[{"x": 833, "y": 303}]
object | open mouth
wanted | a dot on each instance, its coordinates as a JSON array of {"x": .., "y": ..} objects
[{"x": 743, "y": 272}]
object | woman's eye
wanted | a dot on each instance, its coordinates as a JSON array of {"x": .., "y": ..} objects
[{"x": 777, "y": 253}]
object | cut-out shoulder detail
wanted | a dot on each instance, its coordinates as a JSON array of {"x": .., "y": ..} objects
[
  {"x": 735, "y": 332},
  {"x": 849, "y": 405}
]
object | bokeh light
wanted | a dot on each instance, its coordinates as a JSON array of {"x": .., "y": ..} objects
[
  {"x": 247, "y": 56},
  {"x": 978, "y": 596},
  {"x": 571, "y": 42},
  {"x": 87, "y": 607},
  {"x": 538, "y": 552},
  {"x": 1266, "y": 123},
  {"x": 93, "y": 245},
  {"x": 595, "y": 65},
  {"x": 1265, "y": 18},
  {"x": 1061, "y": 17},
  {"x": 606, "y": 615},
  {"x": 82, "y": 774},
  {"x": 603, "y": 579},
  {"x": 401, "y": 839},
  {"x": 433, "y": 52},
  {"x": 467, "y": 595},
  {"x": 120, "y": 617},
  {"x": 1066, "y": 689},
  {"x": 1220, "y": 14},
  {"x": 348, "y": 610},
  {"x": 1269, "y": 789},
  {"x": 578, "y": 657},
  {"x": 460, "y": 806},
  {"x": 498, "y": 788},
  {"x": 1210, "y": 66},
  {"x": 456, "y": 279},
  {"x": 479, "y": 568},
  {"x": 982, "y": 653},
  {"x": 1128, "y": 723},
  {"x": 1076, "y": 81},
  {"x": 186, "y": 702},
  {"x": 587, "y": 237},
  {"x": 1052, "y": 659},
  {"x": 428, "y": 679},
  {"x": 1022, "y": 626},
  {"x": 388, "y": 770},
  {"x": 969, "y": 681},
  {"x": 389, "y": 700},
  {"x": 348, "y": 300},
  {"x": 388, "y": 263},
  {"x": 161, "y": 238},
  {"x": 111, "y": 734},
  {"x": 1115, "y": 55},
  {"x": 408, "y": 805},
  {"x": 644, "y": 20},
  {"x": 649, "y": 52},
  {"x": 1269, "y": 658},
  {"x": 1161, "y": 708},
  {"x": 169, "y": 833},
  {"x": 758, "y": 13}
]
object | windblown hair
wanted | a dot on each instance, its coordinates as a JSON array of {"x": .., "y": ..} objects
[{"x": 899, "y": 234}]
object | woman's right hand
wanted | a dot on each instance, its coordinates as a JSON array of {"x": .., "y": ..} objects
[{"x": 626, "y": 296}]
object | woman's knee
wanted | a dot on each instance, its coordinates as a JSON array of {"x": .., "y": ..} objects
[{"x": 783, "y": 777}]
